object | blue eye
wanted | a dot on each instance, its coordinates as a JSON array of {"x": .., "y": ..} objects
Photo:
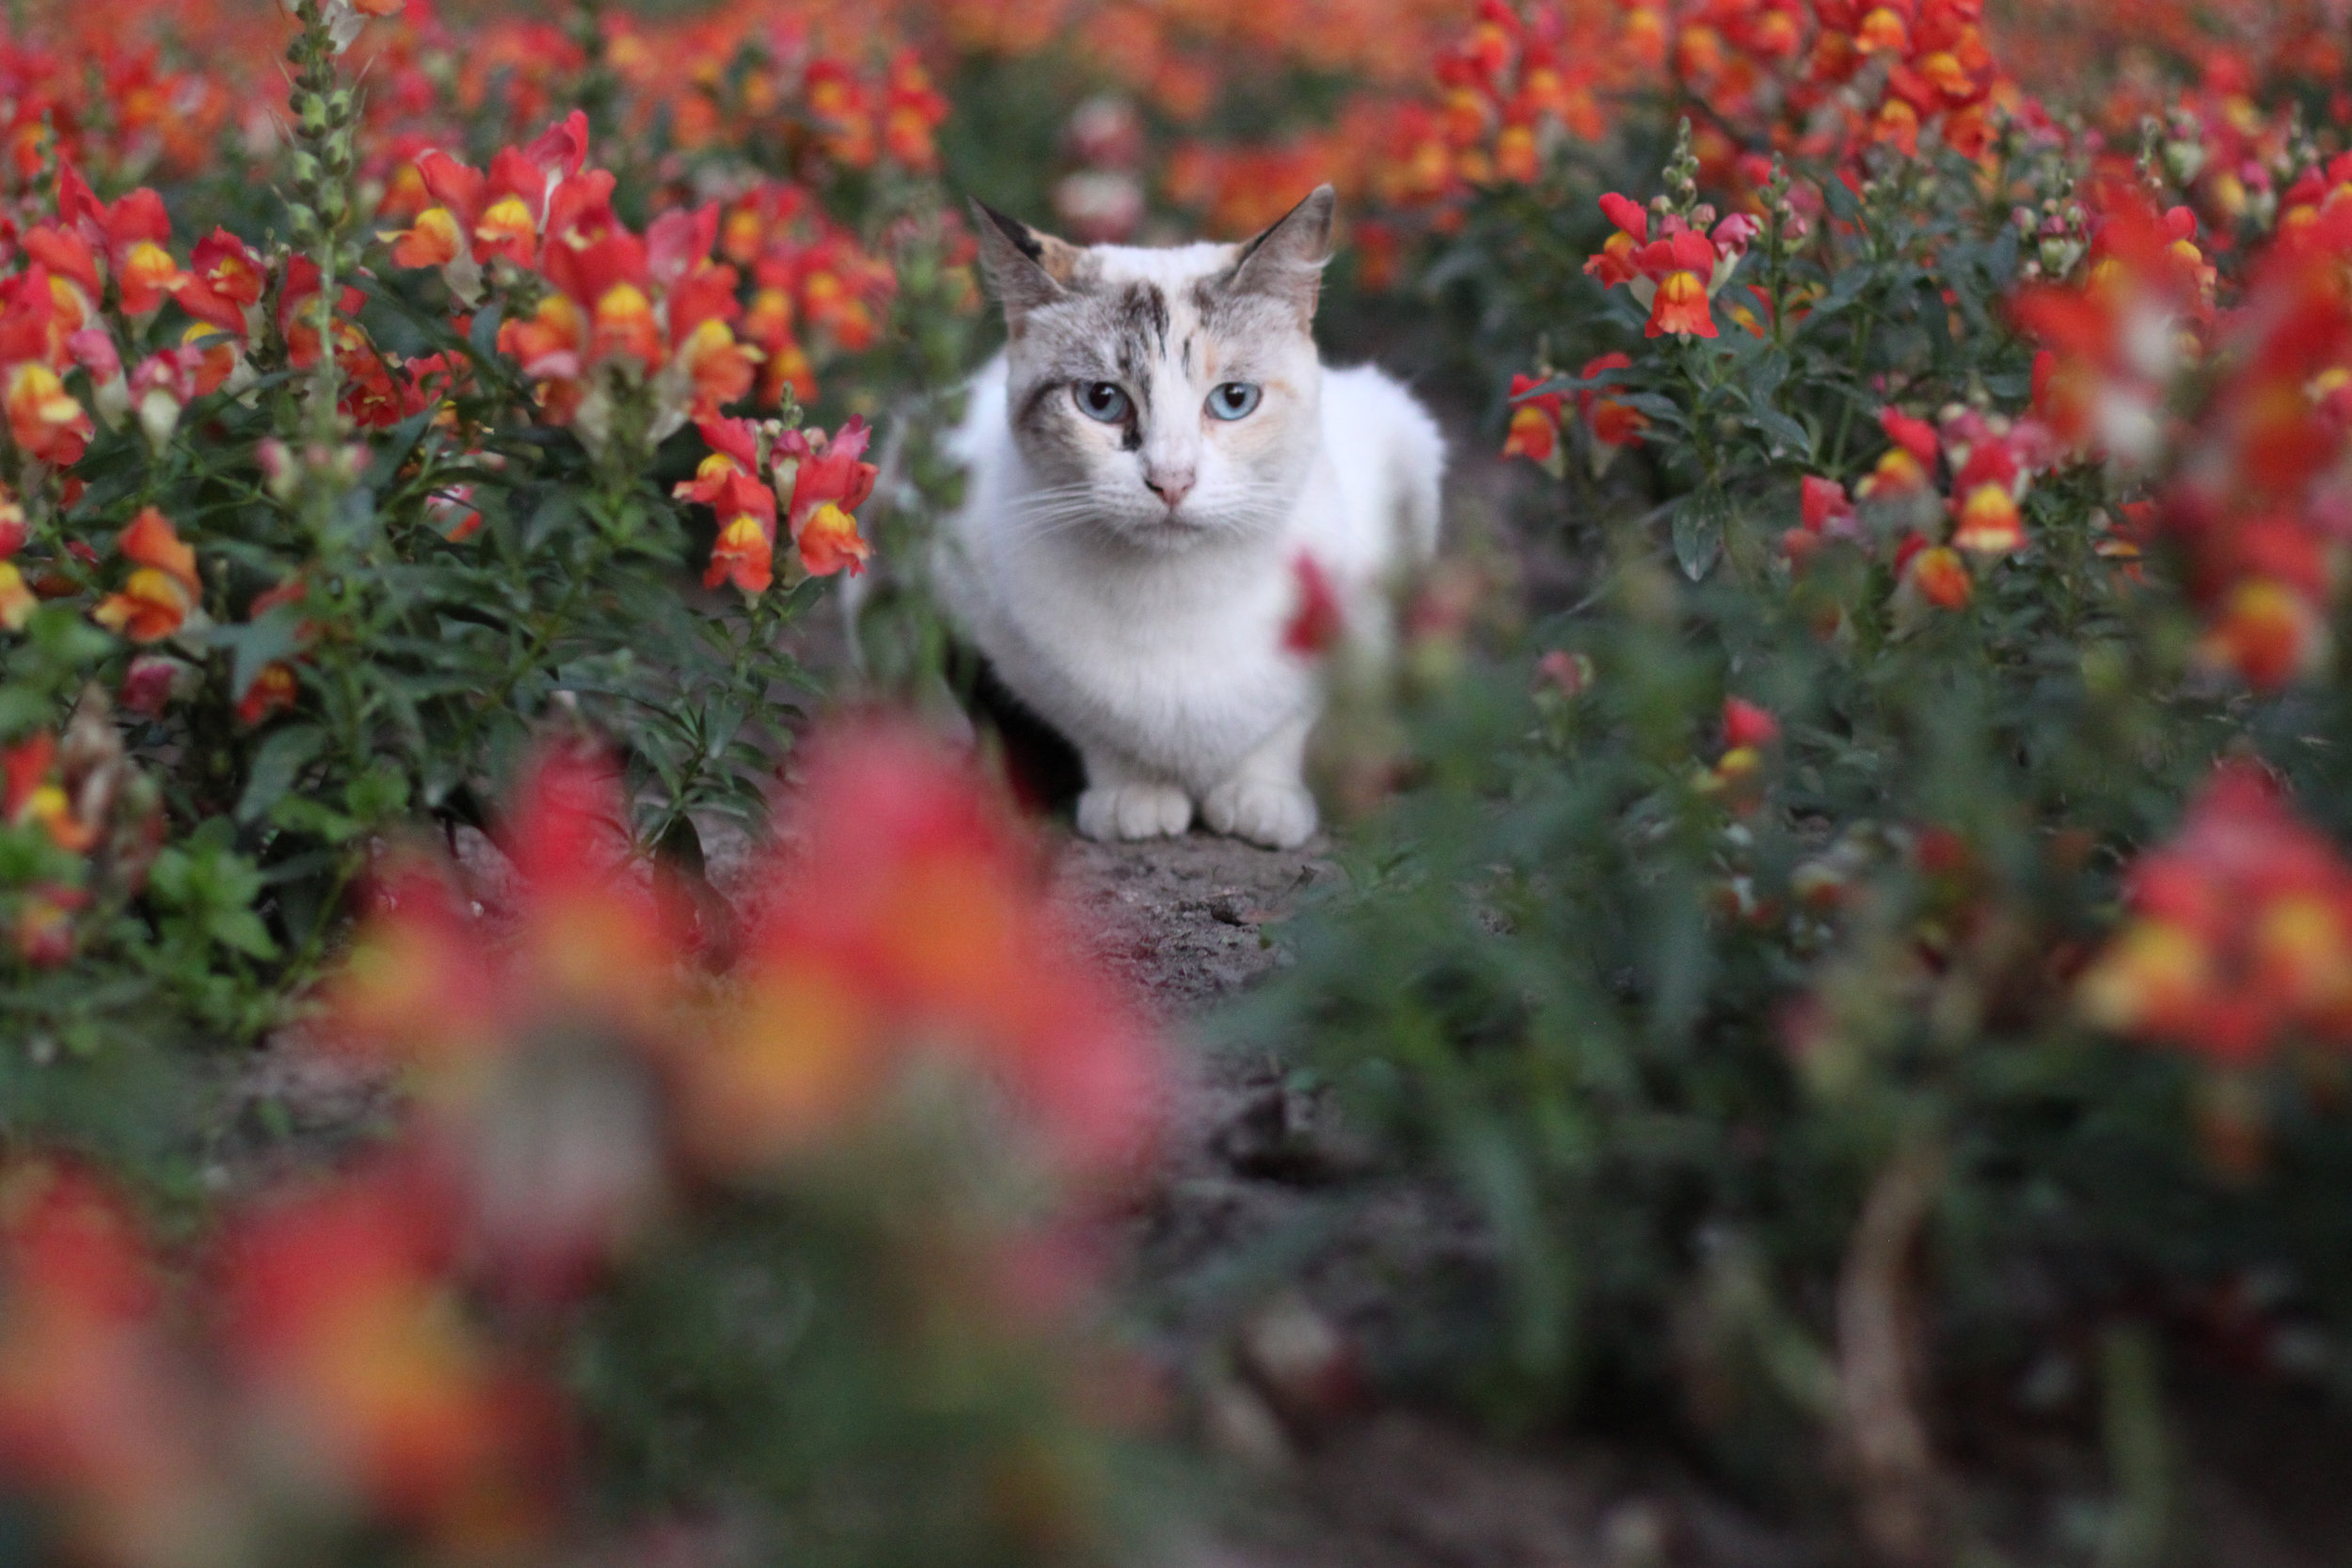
[
  {"x": 1234, "y": 399},
  {"x": 1101, "y": 400}
]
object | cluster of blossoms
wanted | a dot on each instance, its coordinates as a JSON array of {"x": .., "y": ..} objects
[
  {"x": 1537, "y": 430},
  {"x": 329, "y": 1375},
  {"x": 103, "y": 97},
  {"x": 2260, "y": 500},
  {"x": 1933, "y": 526},
  {"x": 920, "y": 937},
  {"x": 1813, "y": 79},
  {"x": 2239, "y": 937},
  {"x": 81, "y": 826},
  {"x": 1676, "y": 271},
  {"x": 367, "y": 1352},
  {"x": 2253, "y": 487},
  {"x": 812, "y": 291},
  {"x": 755, "y": 472}
]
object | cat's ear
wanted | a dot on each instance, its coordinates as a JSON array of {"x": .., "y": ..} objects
[
  {"x": 1025, "y": 268},
  {"x": 1286, "y": 262}
]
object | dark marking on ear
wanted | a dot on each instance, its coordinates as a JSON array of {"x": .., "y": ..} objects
[
  {"x": 1028, "y": 269},
  {"x": 1284, "y": 263},
  {"x": 1024, "y": 239}
]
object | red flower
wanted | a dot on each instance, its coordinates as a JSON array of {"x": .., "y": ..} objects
[
  {"x": 2240, "y": 934},
  {"x": 1534, "y": 432},
  {"x": 1316, "y": 625},
  {"x": 1748, "y": 725},
  {"x": 155, "y": 599},
  {"x": 825, "y": 480},
  {"x": 1612, "y": 424},
  {"x": 1939, "y": 576},
  {"x": 340, "y": 1323},
  {"x": 914, "y": 919}
]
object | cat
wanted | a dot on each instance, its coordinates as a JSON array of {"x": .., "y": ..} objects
[{"x": 1148, "y": 461}]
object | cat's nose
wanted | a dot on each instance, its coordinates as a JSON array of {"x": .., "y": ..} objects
[{"x": 1170, "y": 484}]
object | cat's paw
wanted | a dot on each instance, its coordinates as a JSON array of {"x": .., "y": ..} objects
[
  {"x": 1133, "y": 811},
  {"x": 1279, "y": 815}
]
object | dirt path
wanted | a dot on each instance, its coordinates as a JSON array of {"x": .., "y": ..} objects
[{"x": 1268, "y": 1270}]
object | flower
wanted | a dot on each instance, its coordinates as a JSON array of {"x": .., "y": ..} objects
[
  {"x": 1748, "y": 726},
  {"x": 1679, "y": 267},
  {"x": 1612, "y": 425},
  {"x": 162, "y": 589},
  {"x": 1939, "y": 575},
  {"x": 913, "y": 924},
  {"x": 1987, "y": 521},
  {"x": 817, "y": 475},
  {"x": 1534, "y": 432},
  {"x": 1317, "y": 622},
  {"x": 2239, "y": 938}
]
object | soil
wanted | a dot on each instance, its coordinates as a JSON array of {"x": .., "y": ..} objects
[{"x": 1272, "y": 1227}]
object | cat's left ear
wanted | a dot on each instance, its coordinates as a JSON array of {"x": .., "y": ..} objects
[
  {"x": 1286, "y": 262},
  {"x": 1028, "y": 270}
]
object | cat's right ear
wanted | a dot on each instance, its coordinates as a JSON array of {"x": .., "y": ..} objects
[{"x": 1027, "y": 270}]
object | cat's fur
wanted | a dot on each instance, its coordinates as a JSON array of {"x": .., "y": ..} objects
[{"x": 1131, "y": 580}]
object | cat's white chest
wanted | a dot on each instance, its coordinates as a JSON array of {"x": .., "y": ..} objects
[{"x": 1174, "y": 661}]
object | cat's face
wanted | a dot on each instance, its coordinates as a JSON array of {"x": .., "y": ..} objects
[{"x": 1167, "y": 397}]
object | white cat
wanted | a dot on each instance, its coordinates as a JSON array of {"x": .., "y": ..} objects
[{"x": 1148, "y": 460}]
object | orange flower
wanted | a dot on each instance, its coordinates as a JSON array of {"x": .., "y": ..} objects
[
  {"x": 1988, "y": 521},
  {"x": 914, "y": 920},
  {"x": 47, "y": 425},
  {"x": 1941, "y": 577},
  {"x": 1681, "y": 307},
  {"x": 2240, "y": 935},
  {"x": 17, "y": 602},
  {"x": 149, "y": 606},
  {"x": 1534, "y": 422},
  {"x": 2266, "y": 632},
  {"x": 744, "y": 554},
  {"x": 155, "y": 599},
  {"x": 272, "y": 692},
  {"x": 434, "y": 241},
  {"x": 91, "y": 1410},
  {"x": 344, "y": 1332},
  {"x": 828, "y": 540},
  {"x": 34, "y": 794},
  {"x": 623, "y": 325}
]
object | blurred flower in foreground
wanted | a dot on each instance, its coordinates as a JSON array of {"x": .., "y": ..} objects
[
  {"x": 911, "y": 928},
  {"x": 2240, "y": 934},
  {"x": 914, "y": 923},
  {"x": 316, "y": 1373}
]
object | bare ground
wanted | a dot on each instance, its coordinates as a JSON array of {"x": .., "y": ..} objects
[{"x": 1268, "y": 1267}]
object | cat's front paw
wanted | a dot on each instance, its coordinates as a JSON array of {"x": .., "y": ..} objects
[
  {"x": 1133, "y": 811},
  {"x": 1279, "y": 815}
]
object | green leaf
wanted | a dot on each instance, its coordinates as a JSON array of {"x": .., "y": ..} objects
[
  {"x": 278, "y": 761},
  {"x": 241, "y": 929},
  {"x": 1698, "y": 533},
  {"x": 298, "y": 814},
  {"x": 560, "y": 511},
  {"x": 1794, "y": 437},
  {"x": 258, "y": 643}
]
